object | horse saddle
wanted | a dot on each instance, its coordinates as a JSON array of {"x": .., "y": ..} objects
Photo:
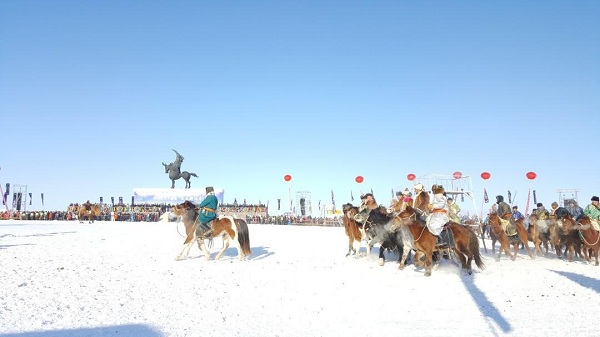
[{"x": 445, "y": 239}]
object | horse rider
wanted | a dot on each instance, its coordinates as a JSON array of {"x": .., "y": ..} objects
[
  {"x": 505, "y": 213},
  {"x": 368, "y": 202},
  {"x": 516, "y": 214},
  {"x": 575, "y": 210},
  {"x": 541, "y": 212},
  {"x": 420, "y": 201},
  {"x": 454, "y": 210},
  {"x": 593, "y": 210},
  {"x": 438, "y": 217},
  {"x": 558, "y": 212},
  {"x": 208, "y": 211},
  {"x": 88, "y": 206}
]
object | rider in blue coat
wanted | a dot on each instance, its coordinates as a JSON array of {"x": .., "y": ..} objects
[{"x": 208, "y": 211}]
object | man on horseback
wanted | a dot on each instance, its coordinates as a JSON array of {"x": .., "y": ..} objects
[
  {"x": 439, "y": 214},
  {"x": 88, "y": 206},
  {"x": 421, "y": 201},
  {"x": 208, "y": 211},
  {"x": 505, "y": 213},
  {"x": 593, "y": 209},
  {"x": 541, "y": 212}
]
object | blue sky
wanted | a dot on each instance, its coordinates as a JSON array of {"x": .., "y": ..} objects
[{"x": 94, "y": 95}]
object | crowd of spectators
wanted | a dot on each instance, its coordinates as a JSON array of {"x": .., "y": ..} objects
[{"x": 253, "y": 214}]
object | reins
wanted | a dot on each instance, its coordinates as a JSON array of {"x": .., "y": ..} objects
[{"x": 589, "y": 226}]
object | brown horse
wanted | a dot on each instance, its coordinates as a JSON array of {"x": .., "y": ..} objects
[
  {"x": 90, "y": 215},
  {"x": 466, "y": 244},
  {"x": 571, "y": 236},
  {"x": 505, "y": 240},
  {"x": 230, "y": 229},
  {"x": 538, "y": 232},
  {"x": 353, "y": 229},
  {"x": 590, "y": 237}
]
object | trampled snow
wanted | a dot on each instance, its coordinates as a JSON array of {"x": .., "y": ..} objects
[{"x": 121, "y": 279}]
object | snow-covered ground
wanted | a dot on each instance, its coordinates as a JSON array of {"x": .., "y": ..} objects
[{"x": 121, "y": 279}]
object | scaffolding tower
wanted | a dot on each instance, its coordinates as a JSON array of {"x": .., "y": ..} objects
[
  {"x": 303, "y": 203},
  {"x": 566, "y": 195},
  {"x": 20, "y": 197}
]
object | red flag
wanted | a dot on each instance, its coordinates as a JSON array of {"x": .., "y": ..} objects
[{"x": 485, "y": 196}]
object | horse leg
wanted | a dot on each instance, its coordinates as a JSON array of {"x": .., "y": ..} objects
[
  {"x": 184, "y": 252},
  {"x": 525, "y": 242},
  {"x": 225, "y": 246},
  {"x": 381, "y": 256},
  {"x": 203, "y": 248},
  {"x": 428, "y": 262},
  {"x": 405, "y": 253}
]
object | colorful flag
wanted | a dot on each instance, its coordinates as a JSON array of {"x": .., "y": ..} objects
[
  {"x": 485, "y": 196},
  {"x": 332, "y": 200},
  {"x": 509, "y": 198}
]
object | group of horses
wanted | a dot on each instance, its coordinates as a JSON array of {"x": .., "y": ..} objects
[
  {"x": 401, "y": 228},
  {"x": 565, "y": 235}
]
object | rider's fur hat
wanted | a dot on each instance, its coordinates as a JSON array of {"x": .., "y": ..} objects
[
  {"x": 418, "y": 187},
  {"x": 437, "y": 189},
  {"x": 499, "y": 198},
  {"x": 595, "y": 198},
  {"x": 209, "y": 189},
  {"x": 539, "y": 204},
  {"x": 406, "y": 192},
  {"x": 367, "y": 195}
]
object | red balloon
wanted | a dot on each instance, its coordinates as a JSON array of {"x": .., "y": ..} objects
[
  {"x": 531, "y": 175},
  {"x": 457, "y": 175},
  {"x": 411, "y": 177},
  {"x": 359, "y": 179},
  {"x": 287, "y": 177},
  {"x": 485, "y": 175}
]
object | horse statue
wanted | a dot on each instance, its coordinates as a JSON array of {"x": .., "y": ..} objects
[
  {"x": 174, "y": 171},
  {"x": 90, "y": 215},
  {"x": 231, "y": 229}
]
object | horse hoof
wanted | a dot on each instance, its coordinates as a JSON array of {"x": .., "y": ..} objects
[
  {"x": 427, "y": 274},
  {"x": 381, "y": 262}
]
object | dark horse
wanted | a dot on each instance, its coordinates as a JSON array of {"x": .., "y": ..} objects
[
  {"x": 377, "y": 226},
  {"x": 174, "y": 171},
  {"x": 466, "y": 245}
]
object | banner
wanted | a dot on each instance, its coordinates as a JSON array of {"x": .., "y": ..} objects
[
  {"x": 42, "y": 197},
  {"x": 352, "y": 196},
  {"x": 14, "y": 199},
  {"x": 278, "y": 204},
  {"x": 485, "y": 196},
  {"x": 174, "y": 196},
  {"x": 132, "y": 201},
  {"x": 332, "y": 199},
  {"x": 534, "y": 198},
  {"x": 30, "y": 198},
  {"x": 112, "y": 200},
  {"x": 509, "y": 198},
  {"x": 101, "y": 199},
  {"x": 120, "y": 200}
]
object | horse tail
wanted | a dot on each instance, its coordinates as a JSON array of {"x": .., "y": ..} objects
[
  {"x": 193, "y": 175},
  {"x": 243, "y": 236},
  {"x": 474, "y": 247}
]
